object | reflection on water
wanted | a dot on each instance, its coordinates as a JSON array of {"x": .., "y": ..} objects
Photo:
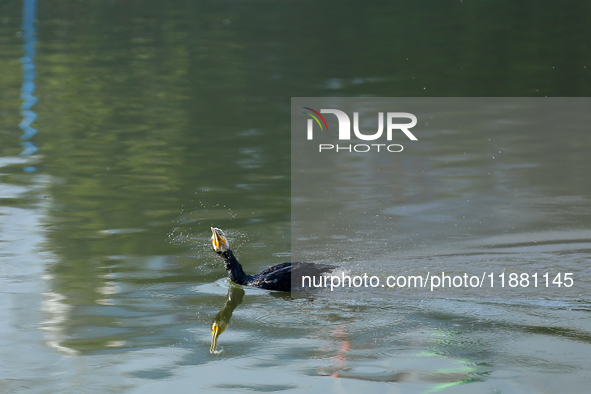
[
  {"x": 161, "y": 119},
  {"x": 28, "y": 87},
  {"x": 222, "y": 319},
  {"x": 57, "y": 314}
]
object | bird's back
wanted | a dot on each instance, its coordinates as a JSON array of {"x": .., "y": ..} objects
[
  {"x": 274, "y": 268},
  {"x": 279, "y": 277}
]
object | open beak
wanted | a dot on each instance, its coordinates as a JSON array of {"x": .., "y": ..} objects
[
  {"x": 216, "y": 238},
  {"x": 215, "y": 333}
]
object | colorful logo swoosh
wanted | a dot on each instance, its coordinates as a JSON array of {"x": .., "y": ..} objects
[{"x": 316, "y": 117}]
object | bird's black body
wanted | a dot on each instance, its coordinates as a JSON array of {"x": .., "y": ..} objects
[{"x": 277, "y": 277}]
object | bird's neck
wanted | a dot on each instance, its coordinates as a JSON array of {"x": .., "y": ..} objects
[{"x": 235, "y": 271}]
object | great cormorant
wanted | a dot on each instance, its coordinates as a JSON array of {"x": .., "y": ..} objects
[{"x": 277, "y": 277}]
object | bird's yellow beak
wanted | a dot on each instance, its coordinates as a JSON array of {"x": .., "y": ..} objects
[
  {"x": 216, "y": 331},
  {"x": 217, "y": 239}
]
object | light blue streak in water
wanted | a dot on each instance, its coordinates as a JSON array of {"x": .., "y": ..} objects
[{"x": 28, "y": 88}]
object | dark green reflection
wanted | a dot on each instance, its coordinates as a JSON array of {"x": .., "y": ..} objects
[{"x": 222, "y": 319}]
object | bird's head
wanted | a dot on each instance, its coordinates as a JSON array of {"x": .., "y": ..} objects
[{"x": 219, "y": 243}]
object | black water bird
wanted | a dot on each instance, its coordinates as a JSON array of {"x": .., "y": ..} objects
[{"x": 277, "y": 277}]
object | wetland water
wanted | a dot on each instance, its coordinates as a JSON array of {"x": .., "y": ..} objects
[{"x": 127, "y": 129}]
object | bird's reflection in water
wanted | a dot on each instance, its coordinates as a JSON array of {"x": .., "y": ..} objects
[{"x": 222, "y": 319}]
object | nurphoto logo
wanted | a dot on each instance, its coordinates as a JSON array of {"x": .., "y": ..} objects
[{"x": 345, "y": 130}]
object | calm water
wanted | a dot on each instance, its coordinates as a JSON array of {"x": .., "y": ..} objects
[{"x": 127, "y": 129}]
